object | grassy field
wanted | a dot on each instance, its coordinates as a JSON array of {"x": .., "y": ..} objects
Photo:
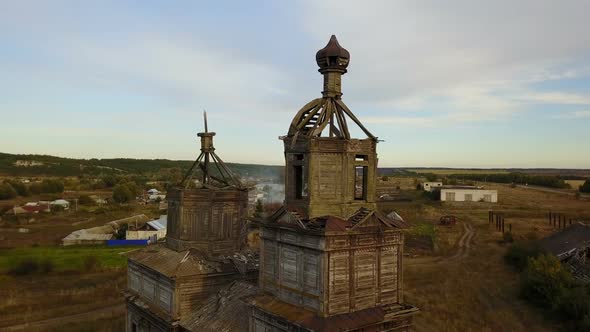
[{"x": 65, "y": 258}]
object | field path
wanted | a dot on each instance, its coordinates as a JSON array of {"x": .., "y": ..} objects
[
  {"x": 106, "y": 312},
  {"x": 464, "y": 245}
]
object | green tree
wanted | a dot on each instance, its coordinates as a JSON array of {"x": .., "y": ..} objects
[
  {"x": 122, "y": 194},
  {"x": 109, "y": 181},
  {"x": 51, "y": 186},
  {"x": 7, "y": 191},
  {"x": 585, "y": 188},
  {"x": 21, "y": 188},
  {"x": 259, "y": 208}
]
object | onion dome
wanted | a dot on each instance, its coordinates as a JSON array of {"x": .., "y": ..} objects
[{"x": 332, "y": 57}]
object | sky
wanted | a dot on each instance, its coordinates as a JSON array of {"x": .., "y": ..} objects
[{"x": 442, "y": 83}]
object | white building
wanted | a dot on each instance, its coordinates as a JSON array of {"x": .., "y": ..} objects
[
  {"x": 429, "y": 186},
  {"x": 467, "y": 194}
]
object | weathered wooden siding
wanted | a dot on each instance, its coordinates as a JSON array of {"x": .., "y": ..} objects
[
  {"x": 329, "y": 175},
  {"x": 152, "y": 287},
  {"x": 291, "y": 267},
  {"x": 210, "y": 220},
  {"x": 364, "y": 270}
]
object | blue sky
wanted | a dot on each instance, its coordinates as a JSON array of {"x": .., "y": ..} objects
[{"x": 454, "y": 83}]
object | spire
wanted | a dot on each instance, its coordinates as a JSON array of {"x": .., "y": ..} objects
[
  {"x": 329, "y": 112},
  {"x": 214, "y": 172}
]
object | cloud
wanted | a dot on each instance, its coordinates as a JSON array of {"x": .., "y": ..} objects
[
  {"x": 479, "y": 58},
  {"x": 574, "y": 115}
]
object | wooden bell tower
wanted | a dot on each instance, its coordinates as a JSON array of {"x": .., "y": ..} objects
[{"x": 327, "y": 171}]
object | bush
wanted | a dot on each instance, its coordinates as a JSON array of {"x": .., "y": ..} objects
[
  {"x": 519, "y": 253},
  {"x": 585, "y": 188},
  {"x": 31, "y": 266},
  {"x": 545, "y": 281}
]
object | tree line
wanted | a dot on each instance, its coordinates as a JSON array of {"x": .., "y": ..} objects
[
  {"x": 12, "y": 188},
  {"x": 552, "y": 181}
]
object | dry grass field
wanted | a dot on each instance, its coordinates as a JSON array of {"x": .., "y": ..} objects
[
  {"x": 448, "y": 171},
  {"x": 465, "y": 285},
  {"x": 575, "y": 184}
]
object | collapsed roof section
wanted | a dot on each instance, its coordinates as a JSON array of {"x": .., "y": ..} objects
[{"x": 363, "y": 217}]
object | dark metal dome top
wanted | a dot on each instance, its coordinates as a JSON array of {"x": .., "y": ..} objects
[{"x": 333, "y": 56}]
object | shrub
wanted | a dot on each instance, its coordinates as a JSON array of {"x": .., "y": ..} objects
[
  {"x": 585, "y": 188},
  {"x": 519, "y": 253}
]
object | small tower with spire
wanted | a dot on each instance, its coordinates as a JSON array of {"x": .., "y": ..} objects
[{"x": 209, "y": 208}]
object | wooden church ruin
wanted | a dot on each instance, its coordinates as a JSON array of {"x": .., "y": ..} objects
[{"x": 329, "y": 259}]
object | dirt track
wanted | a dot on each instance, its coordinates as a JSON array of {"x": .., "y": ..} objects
[{"x": 464, "y": 244}]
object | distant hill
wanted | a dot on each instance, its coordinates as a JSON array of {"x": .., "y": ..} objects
[{"x": 36, "y": 165}]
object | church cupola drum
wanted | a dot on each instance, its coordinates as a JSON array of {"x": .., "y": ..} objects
[
  {"x": 207, "y": 211},
  {"x": 328, "y": 171}
]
